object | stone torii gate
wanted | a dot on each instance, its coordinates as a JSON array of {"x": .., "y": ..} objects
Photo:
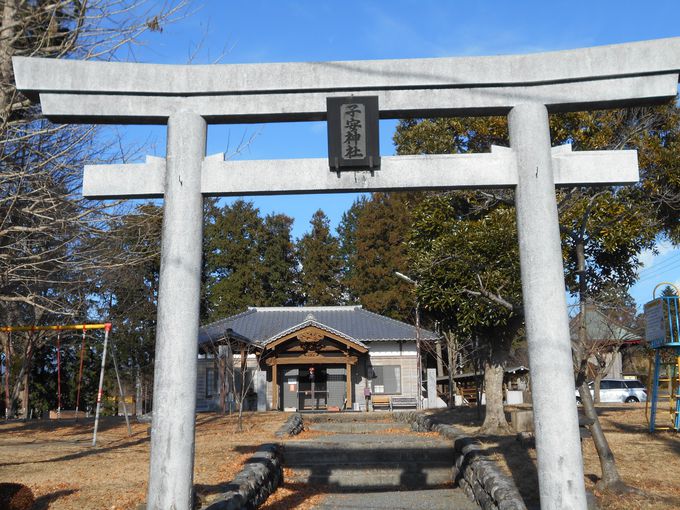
[{"x": 524, "y": 87}]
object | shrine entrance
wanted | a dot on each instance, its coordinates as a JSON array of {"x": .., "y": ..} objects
[
  {"x": 314, "y": 388},
  {"x": 312, "y": 368},
  {"x": 526, "y": 88}
]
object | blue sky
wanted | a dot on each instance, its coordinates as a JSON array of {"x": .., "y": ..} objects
[{"x": 227, "y": 31}]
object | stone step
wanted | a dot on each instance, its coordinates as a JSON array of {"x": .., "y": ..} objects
[
  {"x": 299, "y": 457},
  {"x": 373, "y": 477},
  {"x": 431, "y": 499},
  {"x": 357, "y": 427},
  {"x": 359, "y": 456},
  {"x": 384, "y": 467}
]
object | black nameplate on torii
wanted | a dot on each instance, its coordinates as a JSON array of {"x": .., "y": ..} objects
[{"x": 353, "y": 133}]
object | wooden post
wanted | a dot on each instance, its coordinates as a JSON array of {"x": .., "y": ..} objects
[
  {"x": 275, "y": 388},
  {"x": 348, "y": 377}
]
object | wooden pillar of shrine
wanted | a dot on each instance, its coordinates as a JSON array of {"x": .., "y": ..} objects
[
  {"x": 348, "y": 377},
  {"x": 275, "y": 388}
]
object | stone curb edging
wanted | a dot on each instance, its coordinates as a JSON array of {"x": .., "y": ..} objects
[
  {"x": 261, "y": 476},
  {"x": 292, "y": 427},
  {"x": 478, "y": 476}
]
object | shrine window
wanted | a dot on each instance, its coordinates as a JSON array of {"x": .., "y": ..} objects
[{"x": 387, "y": 380}]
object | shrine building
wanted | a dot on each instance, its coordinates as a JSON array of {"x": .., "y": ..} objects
[{"x": 299, "y": 358}]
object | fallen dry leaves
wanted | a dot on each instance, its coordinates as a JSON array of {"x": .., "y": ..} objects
[
  {"x": 56, "y": 461},
  {"x": 295, "y": 495},
  {"x": 646, "y": 462},
  {"x": 309, "y": 434}
]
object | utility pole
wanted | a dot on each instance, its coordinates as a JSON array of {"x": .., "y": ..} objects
[{"x": 419, "y": 364}]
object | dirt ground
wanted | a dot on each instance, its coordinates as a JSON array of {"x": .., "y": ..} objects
[
  {"x": 57, "y": 462},
  {"x": 648, "y": 463}
]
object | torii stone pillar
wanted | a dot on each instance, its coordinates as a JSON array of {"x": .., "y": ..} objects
[
  {"x": 524, "y": 87},
  {"x": 545, "y": 308},
  {"x": 179, "y": 291}
]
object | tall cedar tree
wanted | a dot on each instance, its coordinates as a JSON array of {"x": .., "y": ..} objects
[
  {"x": 348, "y": 245},
  {"x": 279, "y": 262},
  {"x": 249, "y": 261},
  {"x": 322, "y": 264},
  {"x": 669, "y": 291},
  {"x": 374, "y": 234}
]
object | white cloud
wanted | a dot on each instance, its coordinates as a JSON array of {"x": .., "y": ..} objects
[{"x": 648, "y": 258}]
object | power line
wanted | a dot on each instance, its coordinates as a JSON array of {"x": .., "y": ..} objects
[
  {"x": 656, "y": 274},
  {"x": 673, "y": 258}
]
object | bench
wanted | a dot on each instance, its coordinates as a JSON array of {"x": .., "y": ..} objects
[
  {"x": 396, "y": 402},
  {"x": 381, "y": 401}
]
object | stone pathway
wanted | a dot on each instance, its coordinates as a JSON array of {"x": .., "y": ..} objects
[{"x": 362, "y": 464}]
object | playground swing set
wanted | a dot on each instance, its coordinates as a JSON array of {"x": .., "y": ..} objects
[
  {"x": 59, "y": 329},
  {"x": 662, "y": 332}
]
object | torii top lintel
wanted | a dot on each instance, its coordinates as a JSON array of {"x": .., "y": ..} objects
[{"x": 111, "y": 92}]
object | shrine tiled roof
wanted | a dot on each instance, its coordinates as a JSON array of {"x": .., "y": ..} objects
[{"x": 261, "y": 324}]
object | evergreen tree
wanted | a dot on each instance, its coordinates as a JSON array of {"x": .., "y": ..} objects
[
  {"x": 322, "y": 264},
  {"x": 279, "y": 262},
  {"x": 348, "y": 246},
  {"x": 374, "y": 242},
  {"x": 468, "y": 266},
  {"x": 232, "y": 258},
  {"x": 669, "y": 291},
  {"x": 248, "y": 260}
]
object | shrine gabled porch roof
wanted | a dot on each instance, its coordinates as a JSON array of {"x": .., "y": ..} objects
[
  {"x": 311, "y": 322},
  {"x": 262, "y": 325}
]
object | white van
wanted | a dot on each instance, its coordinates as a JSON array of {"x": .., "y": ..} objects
[{"x": 619, "y": 390}]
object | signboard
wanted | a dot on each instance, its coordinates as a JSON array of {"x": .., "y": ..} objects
[
  {"x": 655, "y": 323},
  {"x": 353, "y": 141}
]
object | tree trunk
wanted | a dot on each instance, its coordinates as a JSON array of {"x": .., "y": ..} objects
[
  {"x": 494, "y": 369},
  {"x": 20, "y": 389},
  {"x": 451, "y": 359},
  {"x": 148, "y": 399},
  {"x": 138, "y": 392},
  {"x": 611, "y": 480},
  {"x": 23, "y": 409},
  {"x": 440, "y": 360},
  {"x": 582, "y": 331},
  {"x": 7, "y": 350},
  {"x": 243, "y": 390},
  {"x": 9, "y": 14},
  {"x": 230, "y": 376},
  {"x": 596, "y": 387},
  {"x": 610, "y": 475},
  {"x": 223, "y": 357}
]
